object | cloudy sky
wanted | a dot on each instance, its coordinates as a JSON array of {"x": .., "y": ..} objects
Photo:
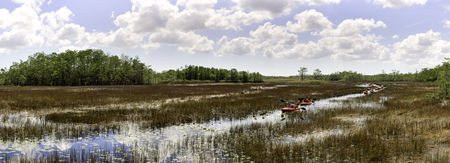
[{"x": 273, "y": 37}]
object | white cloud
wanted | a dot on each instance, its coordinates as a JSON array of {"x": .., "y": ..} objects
[
  {"x": 395, "y": 37},
  {"x": 200, "y": 4},
  {"x": 255, "y": 11},
  {"x": 278, "y": 7},
  {"x": 274, "y": 33},
  {"x": 237, "y": 46},
  {"x": 147, "y": 16},
  {"x": 344, "y": 43},
  {"x": 351, "y": 27},
  {"x": 70, "y": 32},
  {"x": 446, "y": 23},
  {"x": 309, "y": 20},
  {"x": 301, "y": 51},
  {"x": 275, "y": 8},
  {"x": 318, "y": 2},
  {"x": 18, "y": 39},
  {"x": 267, "y": 38},
  {"x": 427, "y": 49},
  {"x": 343, "y": 48},
  {"x": 159, "y": 21},
  {"x": 21, "y": 26},
  {"x": 398, "y": 3},
  {"x": 356, "y": 47},
  {"x": 57, "y": 19},
  {"x": 181, "y": 2},
  {"x": 122, "y": 38},
  {"x": 190, "y": 20},
  {"x": 71, "y": 47},
  {"x": 187, "y": 41}
]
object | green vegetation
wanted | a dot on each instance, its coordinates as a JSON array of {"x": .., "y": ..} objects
[
  {"x": 302, "y": 72},
  {"x": 94, "y": 67},
  {"x": 307, "y": 82},
  {"x": 408, "y": 127},
  {"x": 213, "y": 74},
  {"x": 317, "y": 75},
  {"x": 107, "y": 105},
  {"x": 425, "y": 75}
]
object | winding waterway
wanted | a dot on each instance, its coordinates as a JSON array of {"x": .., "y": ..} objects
[{"x": 178, "y": 143}]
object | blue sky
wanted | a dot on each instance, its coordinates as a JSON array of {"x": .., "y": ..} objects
[{"x": 271, "y": 37}]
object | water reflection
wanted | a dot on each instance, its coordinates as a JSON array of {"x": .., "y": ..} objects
[{"x": 179, "y": 143}]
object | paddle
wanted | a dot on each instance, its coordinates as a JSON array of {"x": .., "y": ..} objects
[
  {"x": 301, "y": 99},
  {"x": 288, "y": 103}
]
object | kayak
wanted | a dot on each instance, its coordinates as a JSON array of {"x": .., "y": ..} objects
[
  {"x": 306, "y": 103},
  {"x": 289, "y": 109}
]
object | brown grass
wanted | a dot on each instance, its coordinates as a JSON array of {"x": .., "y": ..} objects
[{"x": 411, "y": 127}]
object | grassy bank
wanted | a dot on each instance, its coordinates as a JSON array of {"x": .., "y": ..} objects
[{"x": 409, "y": 128}]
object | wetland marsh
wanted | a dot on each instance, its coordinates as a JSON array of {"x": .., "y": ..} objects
[{"x": 222, "y": 123}]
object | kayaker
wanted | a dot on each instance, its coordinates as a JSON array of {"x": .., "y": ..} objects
[{"x": 293, "y": 105}]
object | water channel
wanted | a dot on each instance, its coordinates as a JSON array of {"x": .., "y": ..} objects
[{"x": 179, "y": 143}]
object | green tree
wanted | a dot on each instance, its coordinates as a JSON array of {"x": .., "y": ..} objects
[
  {"x": 444, "y": 80},
  {"x": 302, "y": 72},
  {"x": 234, "y": 75},
  {"x": 317, "y": 75}
]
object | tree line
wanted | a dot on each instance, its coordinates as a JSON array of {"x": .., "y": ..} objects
[
  {"x": 192, "y": 72},
  {"x": 94, "y": 67},
  {"x": 425, "y": 75},
  {"x": 439, "y": 75}
]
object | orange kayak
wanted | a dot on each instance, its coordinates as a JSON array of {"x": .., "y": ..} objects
[
  {"x": 306, "y": 103},
  {"x": 290, "y": 109}
]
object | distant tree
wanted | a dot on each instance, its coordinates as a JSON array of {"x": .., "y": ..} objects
[
  {"x": 302, "y": 72},
  {"x": 234, "y": 75},
  {"x": 444, "y": 80},
  {"x": 335, "y": 76},
  {"x": 317, "y": 75},
  {"x": 395, "y": 75}
]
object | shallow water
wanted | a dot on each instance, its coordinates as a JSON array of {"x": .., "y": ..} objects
[{"x": 179, "y": 143}]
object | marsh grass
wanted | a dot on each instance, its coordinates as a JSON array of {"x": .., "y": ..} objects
[
  {"x": 403, "y": 130},
  {"x": 307, "y": 82},
  {"x": 15, "y": 98},
  {"x": 232, "y": 107}
]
